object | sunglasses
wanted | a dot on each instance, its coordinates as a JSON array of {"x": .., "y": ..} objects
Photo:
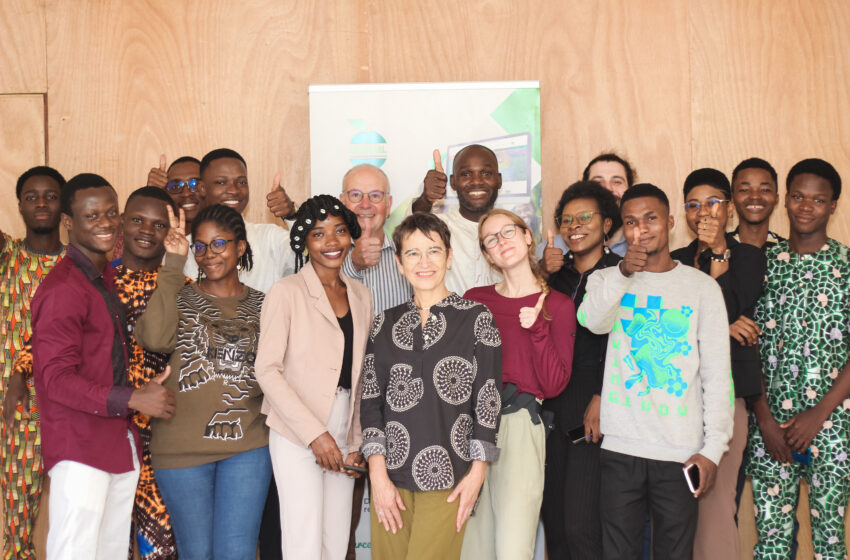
[
  {"x": 177, "y": 186},
  {"x": 217, "y": 246}
]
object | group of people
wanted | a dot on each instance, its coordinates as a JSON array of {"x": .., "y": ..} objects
[{"x": 196, "y": 384}]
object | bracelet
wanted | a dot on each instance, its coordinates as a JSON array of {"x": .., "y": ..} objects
[{"x": 723, "y": 257}]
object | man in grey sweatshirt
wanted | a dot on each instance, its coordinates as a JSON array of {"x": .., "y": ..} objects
[{"x": 667, "y": 396}]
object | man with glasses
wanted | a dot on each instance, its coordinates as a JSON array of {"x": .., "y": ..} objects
[
  {"x": 739, "y": 270},
  {"x": 181, "y": 180},
  {"x": 366, "y": 192}
]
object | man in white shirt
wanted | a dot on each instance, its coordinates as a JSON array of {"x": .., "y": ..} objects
[{"x": 476, "y": 180}]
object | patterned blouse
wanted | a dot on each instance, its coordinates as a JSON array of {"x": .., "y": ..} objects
[{"x": 430, "y": 396}]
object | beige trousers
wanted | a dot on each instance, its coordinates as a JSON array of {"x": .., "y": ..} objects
[{"x": 505, "y": 523}]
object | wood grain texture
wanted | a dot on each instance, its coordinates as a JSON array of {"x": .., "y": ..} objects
[
  {"x": 22, "y": 41},
  {"x": 22, "y": 147}
]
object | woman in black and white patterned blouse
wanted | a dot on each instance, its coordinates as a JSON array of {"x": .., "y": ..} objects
[{"x": 430, "y": 404}]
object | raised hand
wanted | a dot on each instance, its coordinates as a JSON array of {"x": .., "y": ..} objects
[
  {"x": 153, "y": 399},
  {"x": 553, "y": 258},
  {"x": 367, "y": 250},
  {"x": 157, "y": 176},
  {"x": 528, "y": 315},
  {"x": 436, "y": 180},
  {"x": 278, "y": 201},
  {"x": 636, "y": 255},
  {"x": 710, "y": 232},
  {"x": 175, "y": 240}
]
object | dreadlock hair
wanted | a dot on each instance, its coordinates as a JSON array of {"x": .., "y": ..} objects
[
  {"x": 230, "y": 220},
  {"x": 532, "y": 261},
  {"x": 317, "y": 209}
]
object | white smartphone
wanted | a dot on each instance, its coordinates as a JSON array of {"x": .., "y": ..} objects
[{"x": 692, "y": 477}]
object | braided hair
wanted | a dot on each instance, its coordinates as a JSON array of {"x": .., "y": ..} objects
[
  {"x": 317, "y": 209},
  {"x": 230, "y": 220}
]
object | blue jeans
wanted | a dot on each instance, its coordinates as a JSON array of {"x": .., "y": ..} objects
[{"x": 216, "y": 508}]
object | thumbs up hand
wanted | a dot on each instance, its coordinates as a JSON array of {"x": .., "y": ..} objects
[
  {"x": 436, "y": 180},
  {"x": 710, "y": 232},
  {"x": 158, "y": 176},
  {"x": 636, "y": 255},
  {"x": 553, "y": 258},
  {"x": 367, "y": 250},
  {"x": 153, "y": 399},
  {"x": 279, "y": 202},
  {"x": 528, "y": 315}
]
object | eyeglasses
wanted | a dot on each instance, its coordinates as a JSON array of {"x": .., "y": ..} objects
[
  {"x": 507, "y": 232},
  {"x": 694, "y": 206},
  {"x": 217, "y": 246},
  {"x": 176, "y": 186},
  {"x": 433, "y": 254},
  {"x": 375, "y": 197},
  {"x": 583, "y": 218}
]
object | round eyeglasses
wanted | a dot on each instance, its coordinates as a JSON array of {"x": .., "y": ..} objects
[
  {"x": 217, "y": 246},
  {"x": 582, "y": 218},
  {"x": 507, "y": 232},
  {"x": 355, "y": 196}
]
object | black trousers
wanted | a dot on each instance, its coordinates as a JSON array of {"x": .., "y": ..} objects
[
  {"x": 631, "y": 486},
  {"x": 570, "y": 508}
]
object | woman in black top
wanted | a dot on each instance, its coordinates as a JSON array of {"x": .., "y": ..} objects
[{"x": 585, "y": 215}]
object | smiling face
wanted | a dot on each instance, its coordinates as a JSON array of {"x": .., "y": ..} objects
[
  {"x": 218, "y": 266},
  {"x": 582, "y": 238},
  {"x": 647, "y": 219},
  {"x": 39, "y": 204},
  {"x": 370, "y": 215},
  {"x": 506, "y": 253},
  {"x": 809, "y": 203},
  {"x": 754, "y": 194},
  {"x": 145, "y": 227},
  {"x": 476, "y": 179},
  {"x": 93, "y": 225},
  {"x": 424, "y": 261},
  {"x": 328, "y": 243},
  {"x": 703, "y": 194},
  {"x": 611, "y": 175},
  {"x": 189, "y": 201},
  {"x": 225, "y": 181}
]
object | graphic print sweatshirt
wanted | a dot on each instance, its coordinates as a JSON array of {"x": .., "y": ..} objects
[{"x": 668, "y": 391}]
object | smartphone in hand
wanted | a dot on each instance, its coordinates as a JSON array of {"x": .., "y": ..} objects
[{"x": 692, "y": 477}]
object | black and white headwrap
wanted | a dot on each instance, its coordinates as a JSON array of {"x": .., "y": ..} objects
[{"x": 318, "y": 209}]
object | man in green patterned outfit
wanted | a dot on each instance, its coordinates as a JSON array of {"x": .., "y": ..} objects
[{"x": 802, "y": 423}]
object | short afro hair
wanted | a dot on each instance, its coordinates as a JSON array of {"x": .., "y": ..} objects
[
  {"x": 38, "y": 171},
  {"x": 754, "y": 163},
  {"x": 819, "y": 167},
  {"x": 642, "y": 190},
  {"x": 317, "y": 209},
  {"x": 220, "y": 153},
  {"x": 605, "y": 201},
  {"x": 78, "y": 183},
  {"x": 186, "y": 159},
  {"x": 152, "y": 192},
  {"x": 707, "y": 176}
]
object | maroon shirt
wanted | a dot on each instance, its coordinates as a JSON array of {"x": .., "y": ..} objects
[
  {"x": 538, "y": 360},
  {"x": 78, "y": 373}
]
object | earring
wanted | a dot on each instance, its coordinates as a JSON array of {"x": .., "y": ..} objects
[{"x": 238, "y": 266}]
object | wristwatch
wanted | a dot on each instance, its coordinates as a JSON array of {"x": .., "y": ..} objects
[{"x": 723, "y": 257}]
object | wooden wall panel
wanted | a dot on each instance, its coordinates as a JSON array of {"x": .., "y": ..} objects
[
  {"x": 772, "y": 79},
  {"x": 187, "y": 77},
  {"x": 21, "y": 147},
  {"x": 24, "y": 64}
]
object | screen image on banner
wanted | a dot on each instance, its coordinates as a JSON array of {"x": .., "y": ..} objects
[{"x": 397, "y": 127}]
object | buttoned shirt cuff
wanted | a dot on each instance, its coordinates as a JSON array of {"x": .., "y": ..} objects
[{"x": 117, "y": 402}]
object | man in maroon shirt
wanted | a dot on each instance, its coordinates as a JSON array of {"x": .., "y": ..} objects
[{"x": 89, "y": 445}]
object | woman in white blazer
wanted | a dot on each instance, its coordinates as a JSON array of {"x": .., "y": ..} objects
[{"x": 313, "y": 332}]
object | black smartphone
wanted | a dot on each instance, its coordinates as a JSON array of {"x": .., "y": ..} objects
[
  {"x": 355, "y": 468},
  {"x": 692, "y": 477},
  {"x": 576, "y": 434}
]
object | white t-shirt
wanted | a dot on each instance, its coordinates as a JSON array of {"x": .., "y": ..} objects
[
  {"x": 469, "y": 267},
  {"x": 273, "y": 257}
]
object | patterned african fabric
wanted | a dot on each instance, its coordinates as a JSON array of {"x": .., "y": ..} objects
[
  {"x": 21, "y": 272},
  {"x": 804, "y": 313},
  {"x": 151, "y": 524},
  {"x": 430, "y": 399}
]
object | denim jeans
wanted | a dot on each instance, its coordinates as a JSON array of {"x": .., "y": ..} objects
[{"x": 216, "y": 508}]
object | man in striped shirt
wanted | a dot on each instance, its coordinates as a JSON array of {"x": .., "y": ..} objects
[{"x": 366, "y": 192}]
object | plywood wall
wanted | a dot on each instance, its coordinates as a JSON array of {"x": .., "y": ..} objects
[{"x": 671, "y": 85}]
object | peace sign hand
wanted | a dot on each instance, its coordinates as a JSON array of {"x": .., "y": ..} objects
[
  {"x": 528, "y": 315},
  {"x": 175, "y": 240}
]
